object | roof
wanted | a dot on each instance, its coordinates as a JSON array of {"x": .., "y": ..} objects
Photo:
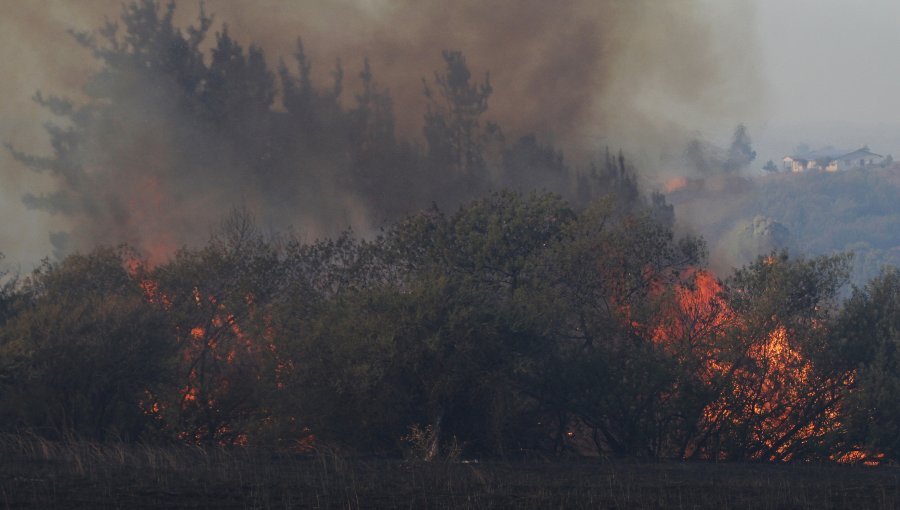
[{"x": 831, "y": 154}]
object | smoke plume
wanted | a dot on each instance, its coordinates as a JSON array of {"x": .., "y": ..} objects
[{"x": 581, "y": 75}]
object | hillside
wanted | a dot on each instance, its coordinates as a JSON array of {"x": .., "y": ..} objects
[{"x": 810, "y": 213}]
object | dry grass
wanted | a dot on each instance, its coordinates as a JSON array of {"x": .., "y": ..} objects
[{"x": 40, "y": 474}]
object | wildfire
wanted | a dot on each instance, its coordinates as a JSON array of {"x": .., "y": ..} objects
[
  {"x": 859, "y": 457},
  {"x": 762, "y": 388},
  {"x": 698, "y": 309},
  {"x": 675, "y": 184},
  {"x": 216, "y": 351},
  {"x": 153, "y": 294},
  {"x": 767, "y": 391}
]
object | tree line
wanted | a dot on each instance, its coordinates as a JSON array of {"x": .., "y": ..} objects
[
  {"x": 170, "y": 135},
  {"x": 516, "y": 324},
  {"x": 567, "y": 321}
]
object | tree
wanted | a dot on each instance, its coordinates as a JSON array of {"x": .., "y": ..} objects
[
  {"x": 614, "y": 179},
  {"x": 433, "y": 341},
  {"x": 595, "y": 295},
  {"x": 741, "y": 152},
  {"x": 8, "y": 287},
  {"x": 218, "y": 301},
  {"x": 780, "y": 387},
  {"x": 453, "y": 121},
  {"x": 453, "y": 130},
  {"x": 150, "y": 76},
  {"x": 238, "y": 90},
  {"x": 530, "y": 166},
  {"x": 386, "y": 172},
  {"x": 174, "y": 128},
  {"x": 867, "y": 342},
  {"x": 83, "y": 350}
]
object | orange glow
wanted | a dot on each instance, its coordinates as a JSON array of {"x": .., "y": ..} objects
[
  {"x": 859, "y": 457},
  {"x": 675, "y": 184},
  {"x": 153, "y": 295},
  {"x": 698, "y": 309},
  {"x": 763, "y": 391},
  {"x": 216, "y": 353},
  {"x": 189, "y": 394}
]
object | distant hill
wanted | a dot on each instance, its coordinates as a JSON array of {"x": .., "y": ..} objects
[{"x": 811, "y": 213}]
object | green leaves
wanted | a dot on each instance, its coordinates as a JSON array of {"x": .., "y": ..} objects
[
  {"x": 81, "y": 350},
  {"x": 867, "y": 337}
]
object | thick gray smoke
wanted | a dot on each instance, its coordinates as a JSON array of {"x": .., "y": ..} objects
[{"x": 580, "y": 74}]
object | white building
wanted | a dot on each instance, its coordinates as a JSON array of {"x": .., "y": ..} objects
[{"x": 831, "y": 160}]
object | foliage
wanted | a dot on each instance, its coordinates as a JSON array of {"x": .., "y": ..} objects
[
  {"x": 868, "y": 339},
  {"x": 740, "y": 153},
  {"x": 81, "y": 350},
  {"x": 709, "y": 160},
  {"x": 516, "y": 323},
  {"x": 171, "y": 110},
  {"x": 782, "y": 384},
  {"x": 824, "y": 213},
  {"x": 217, "y": 301}
]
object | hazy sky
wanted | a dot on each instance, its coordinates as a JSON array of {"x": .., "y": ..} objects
[
  {"x": 827, "y": 73},
  {"x": 831, "y": 60},
  {"x": 831, "y": 72}
]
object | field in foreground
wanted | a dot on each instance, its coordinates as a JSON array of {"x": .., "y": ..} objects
[{"x": 40, "y": 474}]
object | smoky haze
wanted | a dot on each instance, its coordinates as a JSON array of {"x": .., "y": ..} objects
[
  {"x": 569, "y": 70},
  {"x": 581, "y": 75}
]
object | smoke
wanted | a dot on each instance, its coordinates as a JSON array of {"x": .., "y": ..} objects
[
  {"x": 581, "y": 74},
  {"x": 642, "y": 75}
]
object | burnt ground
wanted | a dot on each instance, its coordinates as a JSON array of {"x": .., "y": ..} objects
[{"x": 38, "y": 474}]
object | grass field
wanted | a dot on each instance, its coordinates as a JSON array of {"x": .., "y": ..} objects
[{"x": 41, "y": 474}]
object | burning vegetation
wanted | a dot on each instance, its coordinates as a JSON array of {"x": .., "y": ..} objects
[
  {"x": 567, "y": 320},
  {"x": 516, "y": 324}
]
